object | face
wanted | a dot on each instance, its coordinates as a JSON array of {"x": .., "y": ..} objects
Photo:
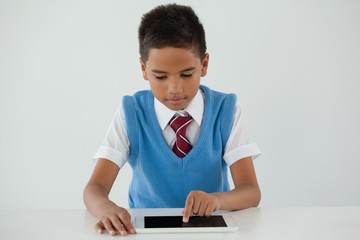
[{"x": 174, "y": 75}]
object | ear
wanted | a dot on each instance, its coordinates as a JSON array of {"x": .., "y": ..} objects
[
  {"x": 143, "y": 69},
  {"x": 205, "y": 64}
]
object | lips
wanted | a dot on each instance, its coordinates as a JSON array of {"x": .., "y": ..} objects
[{"x": 176, "y": 101}]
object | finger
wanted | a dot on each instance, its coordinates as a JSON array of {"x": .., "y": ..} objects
[
  {"x": 126, "y": 221},
  {"x": 209, "y": 210},
  {"x": 191, "y": 214},
  {"x": 196, "y": 206},
  {"x": 188, "y": 208},
  {"x": 119, "y": 226},
  {"x": 109, "y": 227},
  {"x": 202, "y": 209},
  {"x": 99, "y": 227}
]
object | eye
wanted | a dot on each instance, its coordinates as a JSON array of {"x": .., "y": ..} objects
[
  {"x": 160, "y": 77},
  {"x": 186, "y": 75}
]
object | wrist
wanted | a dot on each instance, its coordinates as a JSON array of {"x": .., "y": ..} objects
[{"x": 218, "y": 198}]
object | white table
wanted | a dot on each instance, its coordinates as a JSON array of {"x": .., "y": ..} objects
[{"x": 256, "y": 223}]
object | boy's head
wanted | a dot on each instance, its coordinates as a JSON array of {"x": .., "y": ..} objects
[
  {"x": 173, "y": 54},
  {"x": 171, "y": 25}
]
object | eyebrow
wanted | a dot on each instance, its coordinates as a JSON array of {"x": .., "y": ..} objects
[{"x": 184, "y": 70}]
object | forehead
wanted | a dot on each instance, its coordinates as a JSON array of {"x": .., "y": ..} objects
[{"x": 172, "y": 58}]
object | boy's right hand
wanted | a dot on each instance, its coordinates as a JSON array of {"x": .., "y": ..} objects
[{"x": 115, "y": 219}]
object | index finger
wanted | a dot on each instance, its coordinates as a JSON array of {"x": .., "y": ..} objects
[{"x": 188, "y": 207}]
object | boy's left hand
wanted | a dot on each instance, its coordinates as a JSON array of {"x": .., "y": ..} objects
[{"x": 201, "y": 204}]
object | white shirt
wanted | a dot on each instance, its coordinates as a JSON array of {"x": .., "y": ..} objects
[{"x": 116, "y": 144}]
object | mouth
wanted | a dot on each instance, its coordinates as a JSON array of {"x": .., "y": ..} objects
[{"x": 176, "y": 101}]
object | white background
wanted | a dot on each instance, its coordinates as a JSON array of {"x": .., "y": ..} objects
[{"x": 295, "y": 66}]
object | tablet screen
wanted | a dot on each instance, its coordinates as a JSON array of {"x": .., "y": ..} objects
[{"x": 177, "y": 222}]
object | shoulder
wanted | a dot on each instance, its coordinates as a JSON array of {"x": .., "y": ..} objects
[
  {"x": 216, "y": 94},
  {"x": 138, "y": 94},
  {"x": 223, "y": 99},
  {"x": 131, "y": 102}
]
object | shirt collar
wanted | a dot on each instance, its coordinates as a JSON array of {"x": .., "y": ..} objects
[{"x": 195, "y": 109}]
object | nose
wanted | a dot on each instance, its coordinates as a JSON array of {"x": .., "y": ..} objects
[{"x": 175, "y": 86}]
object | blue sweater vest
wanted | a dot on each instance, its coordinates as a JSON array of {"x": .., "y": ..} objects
[{"x": 160, "y": 178}]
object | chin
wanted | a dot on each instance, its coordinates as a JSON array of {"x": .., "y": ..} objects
[{"x": 176, "y": 108}]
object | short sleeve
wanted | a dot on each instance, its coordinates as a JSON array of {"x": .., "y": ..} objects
[
  {"x": 115, "y": 146},
  {"x": 239, "y": 144}
]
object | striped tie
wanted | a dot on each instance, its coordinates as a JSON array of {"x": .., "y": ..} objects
[{"x": 182, "y": 145}]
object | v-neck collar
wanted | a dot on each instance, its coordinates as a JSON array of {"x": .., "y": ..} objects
[{"x": 182, "y": 162}]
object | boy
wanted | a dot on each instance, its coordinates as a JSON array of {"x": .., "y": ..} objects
[{"x": 174, "y": 164}]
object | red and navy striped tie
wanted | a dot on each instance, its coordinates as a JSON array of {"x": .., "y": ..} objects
[{"x": 182, "y": 145}]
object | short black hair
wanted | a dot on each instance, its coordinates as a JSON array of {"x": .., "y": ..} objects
[{"x": 171, "y": 25}]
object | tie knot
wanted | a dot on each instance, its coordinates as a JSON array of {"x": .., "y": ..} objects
[{"x": 180, "y": 123}]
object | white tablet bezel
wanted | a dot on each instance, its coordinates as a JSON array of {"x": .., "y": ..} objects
[{"x": 138, "y": 222}]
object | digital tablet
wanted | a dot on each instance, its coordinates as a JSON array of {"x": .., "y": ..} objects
[{"x": 174, "y": 224}]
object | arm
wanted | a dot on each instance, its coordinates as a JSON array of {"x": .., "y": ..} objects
[
  {"x": 245, "y": 194},
  {"x": 96, "y": 198}
]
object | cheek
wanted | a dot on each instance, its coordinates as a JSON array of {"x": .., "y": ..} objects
[
  {"x": 195, "y": 82},
  {"x": 192, "y": 89},
  {"x": 157, "y": 87}
]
